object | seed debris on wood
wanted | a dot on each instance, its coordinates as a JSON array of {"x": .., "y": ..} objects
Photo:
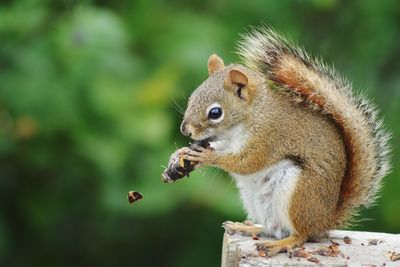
[
  {"x": 393, "y": 256},
  {"x": 347, "y": 240},
  {"x": 134, "y": 196},
  {"x": 374, "y": 242},
  {"x": 334, "y": 243},
  {"x": 315, "y": 260},
  {"x": 301, "y": 253},
  {"x": 330, "y": 251},
  {"x": 261, "y": 253}
]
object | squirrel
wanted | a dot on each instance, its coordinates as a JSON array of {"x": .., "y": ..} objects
[{"x": 306, "y": 152}]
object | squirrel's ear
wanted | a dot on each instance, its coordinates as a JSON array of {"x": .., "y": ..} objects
[
  {"x": 215, "y": 63},
  {"x": 238, "y": 83}
]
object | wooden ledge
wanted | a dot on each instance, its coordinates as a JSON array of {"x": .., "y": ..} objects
[{"x": 366, "y": 249}]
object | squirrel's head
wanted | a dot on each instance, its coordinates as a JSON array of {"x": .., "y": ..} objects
[{"x": 221, "y": 102}]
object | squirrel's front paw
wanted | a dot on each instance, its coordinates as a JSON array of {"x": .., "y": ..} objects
[
  {"x": 245, "y": 228},
  {"x": 201, "y": 155}
]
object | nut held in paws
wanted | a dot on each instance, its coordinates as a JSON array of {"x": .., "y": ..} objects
[{"x": 178, "y": 167}]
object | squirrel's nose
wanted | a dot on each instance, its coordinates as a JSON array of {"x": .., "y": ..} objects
[{"x": 184, "y": 129}]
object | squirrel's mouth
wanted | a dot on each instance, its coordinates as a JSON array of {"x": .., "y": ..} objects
[
  {"x": 206, "y": 141},
  {"x": 204, "y": 137}
]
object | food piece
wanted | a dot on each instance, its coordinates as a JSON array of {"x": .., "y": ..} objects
[
  {"x": 347, "y": 240},
  {"x": 178, "y": 167},
  {"x": 134, "y": 196}
]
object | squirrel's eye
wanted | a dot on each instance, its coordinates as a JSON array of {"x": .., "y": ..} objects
[{"x": 215, "y": 113}]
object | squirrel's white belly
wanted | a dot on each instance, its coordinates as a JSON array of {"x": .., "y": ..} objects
[{"x": 266, "y": 196}]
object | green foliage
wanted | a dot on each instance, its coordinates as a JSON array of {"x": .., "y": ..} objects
[{"x": 87, "y": 96}]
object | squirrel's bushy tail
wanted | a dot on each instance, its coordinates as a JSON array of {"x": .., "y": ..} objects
[{"x": 311, "y": 81}]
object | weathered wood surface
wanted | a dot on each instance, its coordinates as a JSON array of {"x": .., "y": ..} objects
[{"x": 241, "y": 251}]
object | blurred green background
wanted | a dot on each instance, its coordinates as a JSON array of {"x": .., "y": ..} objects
[{"x": 90, "y": 93}]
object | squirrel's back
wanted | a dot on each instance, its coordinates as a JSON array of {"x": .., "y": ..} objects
[{"x": 312, "y": 83}]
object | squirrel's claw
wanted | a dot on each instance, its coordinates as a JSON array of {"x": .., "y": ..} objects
[
  {"x": 205, "y": 156},
  {"x": 269, "y": 252},
  {"x": 243, "y": 228},
  {"x": 200, "y": 148}
]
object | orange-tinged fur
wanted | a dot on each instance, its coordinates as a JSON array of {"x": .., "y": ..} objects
[{"x": 321, "y": 88}]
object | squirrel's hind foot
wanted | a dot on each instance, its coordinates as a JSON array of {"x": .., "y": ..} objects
[{"x": 271, "y": 248}]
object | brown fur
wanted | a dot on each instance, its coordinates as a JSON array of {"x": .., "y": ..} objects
[
  {"x": 276, "y": 132},
  {"x": 312, "y": 119}
]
